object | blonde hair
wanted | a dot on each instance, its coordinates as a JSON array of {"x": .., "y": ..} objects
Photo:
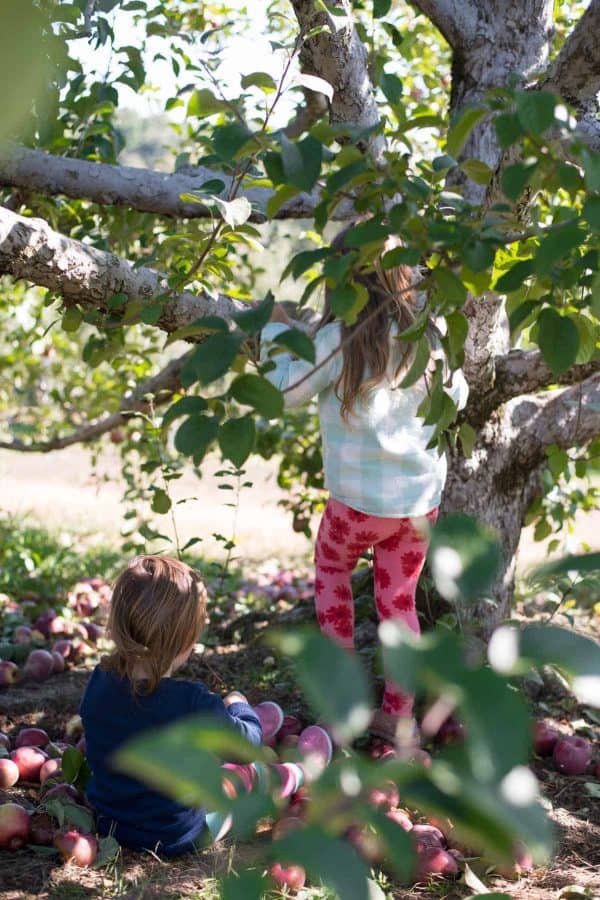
[
  {"x": 366, "y": 343},
  {"x": 157, "y": 611}
]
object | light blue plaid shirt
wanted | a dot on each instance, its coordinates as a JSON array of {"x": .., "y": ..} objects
[{"x": 377, "y": 462}]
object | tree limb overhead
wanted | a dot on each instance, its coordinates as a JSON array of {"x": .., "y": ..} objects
[
  {"x": 88, "y": 277},
  {"x": 455, "y": 19},
  {"x": 575, "y": 73},
  {"x": 161, "y": 386},
  {"x": 525, "y": 371}
]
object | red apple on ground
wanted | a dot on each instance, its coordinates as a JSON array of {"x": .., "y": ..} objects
[
  {"x": 67, "y": 791},
  {"x": 32, "y": 737},
  {"x": 42, "y": 829},
  {"x": 572, "y": 755},
  {"x": 60, "y": 625},
  {"x": 435, "y": 861},
  {"x": 29, "y": 761},
  {"x": 367, "y": 843},
  {"x": 95, "y": 632},
  {"x": 22, "y": 635},
  {"x": 387, "y": 795},
  {"x": 523, "y": 859},
  {"x": 428, "y": 836},
  {"x": 39, "y": 665},
  {"x": 9, "y": 773},
  {"x": 15, "y": 825},
  {"x": 545, "y": 738},
  {"x": 59, "y": 661},
  {"x": 451, "y": 732},
  {"x": 76, "y": 847},
  {"x": 9, "y": 673},
  {"x": 42, "y": 623},
  {"x": 293, "y": 877},
  {"x": 63, "y": 646},
  {"x": 401, "y": 818},
  {"x": 52, "y": 768}
]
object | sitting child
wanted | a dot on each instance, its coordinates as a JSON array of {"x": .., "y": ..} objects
[{"x": 158, "y": 611}]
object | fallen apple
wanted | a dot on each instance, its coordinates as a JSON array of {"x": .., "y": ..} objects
[
  {"x": 367, "y": 843},
  {"x": 39, "y": 665},
  {"x": 450, "y": 732},
  {"x": 401, "y": 818},
  {"x": 22, "y": 635},
  {"x": 77, "y": 847},
  {"x": 9, "y": 673},
  {"x": 545, "y": 738},
  {"x": 42, "y": 829},
  {"x": 59, "y": 661},
  {"x": 572, "y": 755},
  {"x": 29, "y": 761},
  {"x": 95, "y": 632},
  {"x": 386, "y": 796},
  {"x": 42, "y": 623},
  {"x": 435, "y": 861},
  {"x": 32, "y": 737},
  {"x": 15, "y": 824},
  {"x": 428, "y": 835},
  {"x": 63, "y": 646},
  {"x": 9, "y": 773},
  {"x": 293, "y": 877},
  {"x": 52, "y": 768},
  {"x": 68, "y": 791}
]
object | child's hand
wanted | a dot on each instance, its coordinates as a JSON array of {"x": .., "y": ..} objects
[{"x": 234, "y": 697}]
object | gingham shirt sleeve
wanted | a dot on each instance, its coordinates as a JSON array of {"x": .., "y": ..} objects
[{"x": 305, "y": 379}]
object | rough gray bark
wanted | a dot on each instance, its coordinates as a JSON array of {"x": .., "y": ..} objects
[
  {"x": 339, "y": 56},
  {"x": 161, "y": 387},
  {"x": 140, "y": 189},
  {"x": 455, "y": 19},
  {"x": 89, "y": 277}
]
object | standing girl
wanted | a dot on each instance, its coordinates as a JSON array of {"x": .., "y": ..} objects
[{"x": 384, "y": 483}]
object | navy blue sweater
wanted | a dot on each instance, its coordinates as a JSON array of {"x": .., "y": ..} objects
[{"x": 139, "y": 817}]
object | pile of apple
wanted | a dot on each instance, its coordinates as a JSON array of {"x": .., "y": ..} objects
[
  {"x": 35, "y": 760},
  {"x": 53, "y": 642},
  {"x": 274, "y": 583},
  {"x": 570, "y": 755}
]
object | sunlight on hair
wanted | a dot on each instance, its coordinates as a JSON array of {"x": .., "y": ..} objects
[
  {"x": 503, "y": 649},
  {"x": 587, "y": 689},
  {"x": 520, "y": 787},
  {"x": 447, "y": 567}
]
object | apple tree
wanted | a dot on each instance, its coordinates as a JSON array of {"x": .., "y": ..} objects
[{"x": 133, "y": 296}]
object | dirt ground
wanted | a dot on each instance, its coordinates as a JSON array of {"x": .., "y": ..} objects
[{"x": 61, "y": 491}]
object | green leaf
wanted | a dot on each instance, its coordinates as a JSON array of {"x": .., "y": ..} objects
[
  {"x": 229, "y": 139},
  {"x": 514, "y": 278},
  {"x": 183, "y": 407},
  {"x": 305, "y": 260},
  {"x": 327, "y": 858},
  {"x": 261, "y": 80},
  {"x": 508, "y": 128},
  {"x": 195, "y": 435},
  {"x": 555, "y": 246},
  {"x": 347, "y": 300},
  {"x": 256, "y": 391},
  {"x": 302, "y": 161},
  {"x": 464, "y": 556},
  {"x": 419, "y": 364},
  {"x": 346, "y": 704},
  {"x": 280, "y": 198},
  {"x": 298, "y": 342},
  {"x": 451, "y": 287},
  {"x": 588, "y": 339},
  {"x": 462, "y": 127},
  {"x": 254, "y": 319},
  {"x": 235, "y": 212},
  {"x": 514, "y": 178},
  {"x": 400, "y": 256},
  {"x": 381, "y": 8},
  {"x": 558, "y": 339},
  {"x": 468, "y": 438},
  {"x": 391, "y": 86},
  {"x": 366, "y": 233},
  {"x": 108, "y": 851},
  {"x": 535, "y": 110},
  {"x": 161, "y": 502},
  {"x": 179, "y": 760},
  {"x": 591, "y": 162},
  {"x": 477, "y": 171},
  {"x": 590, "y": 562},
  {"x": 211, "y": 360},
  {"x": 203, "y": 103},
  {"x": 250, "y": 884},
  {"x": 591, "y": 212},
  {"x": 72, "y": 319},
  {"x": 458, "y": 327},
  {"x": 203, "y": 325},
  {"x": 521, "y": 313},
  {"x": 337, "y": 180},
  {"x": 236, "y": 439}
]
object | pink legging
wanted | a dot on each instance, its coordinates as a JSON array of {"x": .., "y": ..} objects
[{"x": 400, "y": 547}]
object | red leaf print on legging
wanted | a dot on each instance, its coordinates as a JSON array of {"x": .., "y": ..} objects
[
  {"x": 343, "y": 593},
  {"x": 329, "y": 570},
  {"x": 356, "y": 515},
  {"x": 340, "y": 618},
  {"x": 403, "y": 602},
  {"x": 338, "y": 529},
  {"x": 319, "y": 586},
  {"x": 411, "y": 563},
  {"x": 328, "y": 551},
  {"x": 382, "y": 578}
]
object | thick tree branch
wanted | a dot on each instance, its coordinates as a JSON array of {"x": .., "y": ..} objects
[
  {"x": 567, "y": 418},
  {"x": 575, "y": 73},
  {"x": 160, "y": 387},
  {"x": 144, "y": 190},
  {"x": 525, "y": 371},
  {"x": 89, "y": 277},
  {"x": 339, "y": 56},
  {"x": 455, "y": 19}
]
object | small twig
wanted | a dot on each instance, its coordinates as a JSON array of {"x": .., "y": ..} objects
[{"x": 90, "y": 9}]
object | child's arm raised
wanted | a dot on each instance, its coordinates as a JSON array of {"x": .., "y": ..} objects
[{"x": 299, "y": 379}]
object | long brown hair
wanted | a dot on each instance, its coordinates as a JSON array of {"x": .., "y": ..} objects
[
  {"x": 157, "y": 611},
  {"x": 366, "y": 343}
]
